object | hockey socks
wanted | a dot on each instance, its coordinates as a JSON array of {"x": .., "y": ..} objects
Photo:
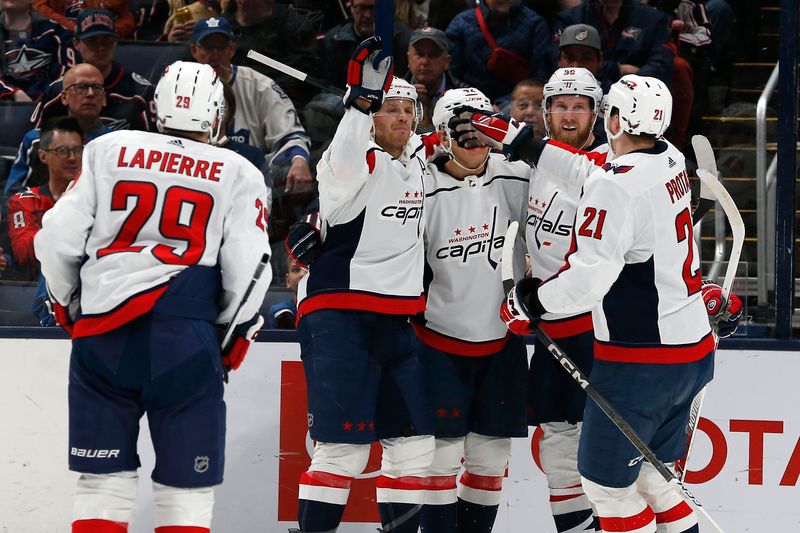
[
  {"x": 576, "y": 521},
  {"x": 476, "y": 518},
  {"x": 439, "y": 518},
  {"x": 99, "y": 526},
  {"x": 400, "y": 517},
  {"x": 318, "y": 517},
  {"x": 572, "y": 512}
]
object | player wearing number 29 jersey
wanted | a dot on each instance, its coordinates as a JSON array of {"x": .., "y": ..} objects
[{"x": 154, "y": 243}]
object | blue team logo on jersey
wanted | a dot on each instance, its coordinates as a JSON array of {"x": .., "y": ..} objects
[{"x": 27, "y": 62}]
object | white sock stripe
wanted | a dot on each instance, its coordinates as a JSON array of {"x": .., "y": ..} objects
[
  {"x": 441, "y": 497},
  {"x": 481, "y": 497},
  {"x": 105, "y": 497},
  {"x": 319, "y": 493},
  {"x": 566, "y": 491},
  {"x": 570, "y": 506},
  {"x": 175, "y": 506},
  {"x": 384, "y": 495}
]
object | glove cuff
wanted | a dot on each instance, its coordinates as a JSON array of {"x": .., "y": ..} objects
[{"x": 527, "y": 296}]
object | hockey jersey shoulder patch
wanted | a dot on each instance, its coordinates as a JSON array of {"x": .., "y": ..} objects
[{"x": 617, "y": 169}]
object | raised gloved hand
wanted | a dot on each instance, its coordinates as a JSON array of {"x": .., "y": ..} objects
[
  {"x": 368, "y": 77},
  {"x": 303, "y": 242},
  {"x": 724, "y": 316},
  {"x": 471, "y": 128},
  {"x": 515, "y": 311},
  {"x": 243, "y": 336}
]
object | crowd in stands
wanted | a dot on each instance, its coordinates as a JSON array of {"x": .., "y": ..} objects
[{"x": 63, "y": 57}]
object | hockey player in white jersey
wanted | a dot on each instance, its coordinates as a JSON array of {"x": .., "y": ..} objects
[
  {"x": 360, "y": 355},
  {"x": 474, "y": 370},
  {"x": 571, "y": 103},
  {"x": 635, "y": 263},
  {"x": 153, "y": 245}
]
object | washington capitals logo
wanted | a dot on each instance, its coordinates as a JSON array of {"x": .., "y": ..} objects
[
  {"x": 473, "y": 240},
  {"x": 628, "y": 83},
  {"x": 617, "y": 169}
]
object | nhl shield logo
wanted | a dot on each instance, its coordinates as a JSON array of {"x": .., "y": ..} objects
[
  {"x": 200, "y": 464},
  {"x": 310, "y": 419}
]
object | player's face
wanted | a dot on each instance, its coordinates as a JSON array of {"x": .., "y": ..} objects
[
  {"x": 216, "y": 50},
  {"x": 570, "y": 119},
  {"x": 363, "y": 12},
  {"x": 577, "y": 55},
  {"x": 293, "y": 277},
  {"x": 526, "y": 106},
  {"x": 393, "y": 124},
  {"x": 97, "y": 50},
  {"x": 469, "y": 157},
  {"x": 62, "y": 157},
  {"x": 427, "y": 62},
  {"x": 82, "y": 100}
]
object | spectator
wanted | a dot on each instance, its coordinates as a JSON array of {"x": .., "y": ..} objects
[
  {"x": 428, "y": 59},
  {"x": 520, "y": 31},
  {"x": 526, "y": 105},
  {"x": 60, "y": 149},
  {"x": 579, "y": 46},
  {"x": 151, "y": 16},
  {"x": 265, "y": 117},
  {"x": 338, "y": 44},
  {"x": 280, "y": 32},
  {"x": 34, "y": 49},
  {"x": 84, "y": 97},
  {"x": 3, "y": 261},
  {"x": 248, "y": 151},
  {"x": 282, "y": 315},
  {"x": 129, "y": 96},
  {"x": 182, "y": 18},
  {"x": 413, "y": 13},
  {"x": 632, "y": 38},
  {"x": 67, "y": 13}
]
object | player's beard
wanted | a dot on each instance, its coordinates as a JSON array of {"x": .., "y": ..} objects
[{"x": 579, "y": 137}]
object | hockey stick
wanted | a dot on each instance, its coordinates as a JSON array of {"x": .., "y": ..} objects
[
  {"x": 709, "y": 181},
  {"x": 293, "y": 72},
  {"x": 704, "y": 155},
  {"x": 580, "y": 378}
]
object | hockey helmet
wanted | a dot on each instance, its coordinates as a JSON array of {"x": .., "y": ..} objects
[
  {"x": 644, "y": 105},
  {"x": 571, "y": 81},
  {"x": 450, "y": 100},
  {"x": 189, "y": 97}
]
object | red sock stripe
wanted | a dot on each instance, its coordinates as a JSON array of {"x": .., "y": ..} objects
[
  {"x": 627, "y": 523},
  {"x": 402, "y": 483},
  {"x": 325, "y": 479},
  {"x": 96, "y": 525},
  {"x": 682, "y": 510},
  {"x": 182, "y": 529},
  {"x": 440, "y": 482},
  {"x": 482, "y": 482},
  {"x": 563, "y": 498}
]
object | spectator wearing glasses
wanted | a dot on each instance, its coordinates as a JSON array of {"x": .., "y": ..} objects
[
  {"x": 129, "y": 96},
  {"x": 526, "y": 105},
  {"x": 60, "y": 150},
  {"x": 84, "y": 98}
]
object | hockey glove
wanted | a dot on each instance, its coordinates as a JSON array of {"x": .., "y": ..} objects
[
  {"x": 303, "y": 242},
  {"x": 472, "y": 128},
  {"x": 368, "y": 77},
  {"x": 724, "y": 316},
  {"x": 243, "y": 335},
  {"x": 515, "y": 311},
  {"x": 65, "y": 316}
]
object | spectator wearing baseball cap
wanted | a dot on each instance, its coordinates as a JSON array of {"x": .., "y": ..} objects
[
  {"x": 579, "y": 46},
  {"x": 66, "y": 14},
  {"x": 428, "y": 62},
  {"x": 128, "y": 95}
]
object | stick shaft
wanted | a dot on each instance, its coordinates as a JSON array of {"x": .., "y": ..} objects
[{"x": 293, "y": 72}]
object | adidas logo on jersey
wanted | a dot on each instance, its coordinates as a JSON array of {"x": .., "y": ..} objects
[{"x": 176, "y": 142}]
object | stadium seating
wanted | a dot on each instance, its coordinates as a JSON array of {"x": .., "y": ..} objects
[
  {"x": 16, "y": 120},
  {"x": 148, "y": 58}
]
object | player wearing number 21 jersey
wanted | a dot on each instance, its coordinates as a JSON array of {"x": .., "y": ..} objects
[{"x": 155, "y": 242}]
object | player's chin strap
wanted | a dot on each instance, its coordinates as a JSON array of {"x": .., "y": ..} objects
[{"x": 449, "y": 151}]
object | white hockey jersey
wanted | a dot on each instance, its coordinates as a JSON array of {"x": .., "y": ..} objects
[
  {"x": 635, "y": 262},
  {"x": 466, "y": 222},
  {"x": 145, "y": 207},
  {"x": 370, "y": 205},
  {"x": 265, "y": 117},
  {"x": 552, "y": 202}
]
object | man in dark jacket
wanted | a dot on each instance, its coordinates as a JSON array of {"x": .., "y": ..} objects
[
  {"x": 632, "y": 37},
  {"x": 338, "y": 44},
  {"x": 513, "y": 27}
]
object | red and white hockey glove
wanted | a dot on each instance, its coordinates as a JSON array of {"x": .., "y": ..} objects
[
  {"x": 472, "y": 128},
  {"x": 243, "y": 336},
  {"x": 304, "y": 242},
  {"x": 724, "y": 316},
  {"x": 367, "y": 77},
  {"x": 515, "y": 312}
]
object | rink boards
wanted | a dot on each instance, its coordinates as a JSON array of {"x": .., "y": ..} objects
[{"x": 745, "y": 466}]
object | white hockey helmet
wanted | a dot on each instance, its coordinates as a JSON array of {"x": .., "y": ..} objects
[
  {"x": 644, "y": 105},
  {"x": 189, "y": 97},
  {"x": 467, "y": 96},
  {"x": 571, "y": 81},
  {"x": 402, "y": 90}
]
